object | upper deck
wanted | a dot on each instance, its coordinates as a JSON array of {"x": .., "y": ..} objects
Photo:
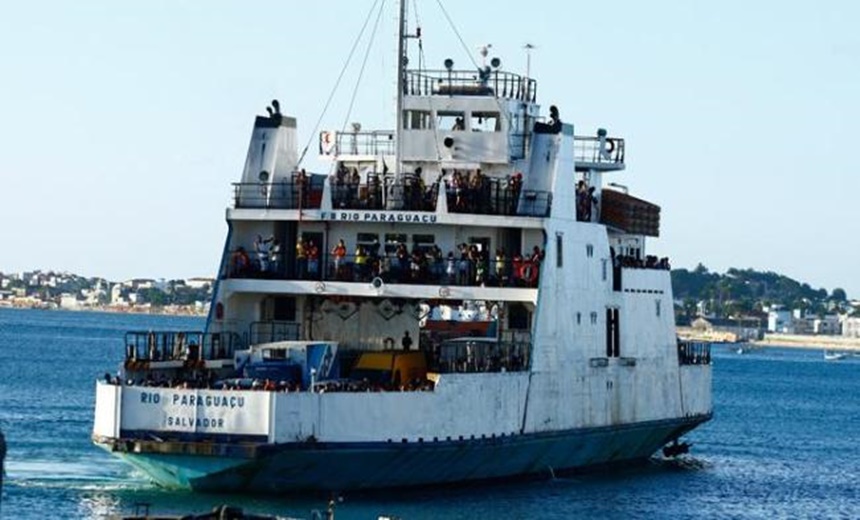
[
  {"x": 492, "y": 83},
  {"x": 390, "y": 198}
]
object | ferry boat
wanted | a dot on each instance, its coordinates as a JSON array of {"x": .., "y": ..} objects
[{"x": 336, "y": 355}]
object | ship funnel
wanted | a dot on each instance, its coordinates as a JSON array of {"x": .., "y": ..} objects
[{"x": 272, "y": 153}]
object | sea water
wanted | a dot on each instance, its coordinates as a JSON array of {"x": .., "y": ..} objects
[{"x": 784, "y": 443}]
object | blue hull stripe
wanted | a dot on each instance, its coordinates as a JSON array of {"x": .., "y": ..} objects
[{"x": 353, "y": 466}]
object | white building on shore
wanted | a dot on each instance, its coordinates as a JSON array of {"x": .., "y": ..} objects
[{"x": 851, "y": 328}]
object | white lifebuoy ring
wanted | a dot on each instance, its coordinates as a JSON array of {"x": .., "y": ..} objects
[
  {"x": 444, "y": 292},
  {"x": 319, "y": 287},
  {"x": 610, "y": 145}
]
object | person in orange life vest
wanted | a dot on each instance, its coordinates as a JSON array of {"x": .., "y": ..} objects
[
  {"x": 313, "y": 260},
  {"x": 338, "y": 252}
]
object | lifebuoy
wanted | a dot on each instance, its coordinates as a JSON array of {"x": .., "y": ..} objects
[
  {"x": 610, "y": 145},
  {"x": 529, "y": 272}
]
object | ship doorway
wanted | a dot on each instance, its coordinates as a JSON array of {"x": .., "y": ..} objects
[
  {"x": 512, "y": 242},
  {"x": 519, "y": 317},
  {"x": 613, "y": 333},
  {"x": 289, "y": 237},
  {"x": 278, "y": 308}
]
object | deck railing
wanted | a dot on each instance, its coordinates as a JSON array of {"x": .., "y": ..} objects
[
  {"x": 272, "y": 331},
  {"x": 420, "y": 269},
  {"x": 180, "y": 345},
  {"x": 694, "y": 353},
  {"x": 493, "y": 83},
  {"x": 375, "y": 143},
  {"x": 405, "y": 193},
  {"x": 586, "y": 149},
  {"x": 497, "y": 197},
  {"x": 279, "y": 195},
  {"x": 479, "y": 355}
]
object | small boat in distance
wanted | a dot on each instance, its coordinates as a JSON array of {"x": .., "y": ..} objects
[
  {"x": 746, "y": 348},
  {"x": 834, "y": 355}
]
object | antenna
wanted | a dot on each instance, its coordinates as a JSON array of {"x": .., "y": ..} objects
[
  {"x": 401, "y": 84},
  {"x": 484, "y": 50},
  {"x": 528, "y": 47}
]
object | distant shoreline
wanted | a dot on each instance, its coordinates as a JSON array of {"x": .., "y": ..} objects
[
  {"x": 801, "y": 341},
  {"x": 804, "y": 341},
  {"x": 172, "y": 310},
  {"x": 809, "y": 342}
]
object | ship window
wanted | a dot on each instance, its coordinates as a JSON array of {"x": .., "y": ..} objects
[
  {"x": 589, "y": 250},
  {"x": 485, "y": 122},
  {"x": 417, "y": 120},
  {"x": 579, "y": 318},
  {"x": 657, "y": 302},
  {"x": 558, "y": 249},
  {"x": 604, "y": 262},
  {"x": 450, "y": 120},
  {"x": 424, "y": 242},
  {"x": 370, "y": 241},
  {"x": 594, "y": 318},
  {"x": 392, "y": 240}
]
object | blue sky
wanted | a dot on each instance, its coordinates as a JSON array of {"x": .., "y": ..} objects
[{"x": 122, "y": 124}]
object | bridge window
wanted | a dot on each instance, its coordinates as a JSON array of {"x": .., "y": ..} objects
[
  {"x": 485, "y": 122},
  {"x": 450, "y": 120},
  {"x": 417, "y": 120},
  {"x": 370, "y": 241}
]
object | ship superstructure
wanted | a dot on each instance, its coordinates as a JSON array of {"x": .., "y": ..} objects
[{"x": 461, "y": 298}]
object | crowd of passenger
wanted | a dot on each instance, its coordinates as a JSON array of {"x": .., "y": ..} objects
[
  {"x": 474, "y": 192},
  {"x": 208, "y": 380},
  {"x": 365, "y": 386},
  {"x": 264, "y": 260},
  {"x": 468, "y": 265},
  {"x": 408, "y": 192},
  {"x": 650, "y": 262},
  {"x": 467, "y": 191},
  {"x": 428, "y": 265}
]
